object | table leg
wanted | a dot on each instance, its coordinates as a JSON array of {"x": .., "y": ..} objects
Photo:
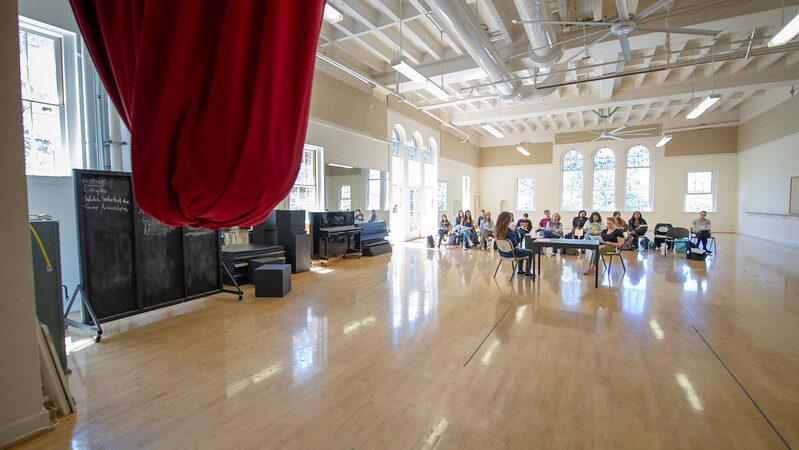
[{"x": 596, "y": 267}]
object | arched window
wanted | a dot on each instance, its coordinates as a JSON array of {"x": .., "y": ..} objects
[
  {"x": 604, "y": 180},
  {"x": 396, "y": 143},
  {"x": 572, "y": 181},
  {"x": 637, "y": 186}
]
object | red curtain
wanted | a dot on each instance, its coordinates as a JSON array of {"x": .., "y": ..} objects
[{"x": 216, "y": 95}]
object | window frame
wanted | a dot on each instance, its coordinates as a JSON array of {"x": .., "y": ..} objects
[
  {"x": 562, "y": 179},
  {"x": 439, "y": 196},
  {"x": 369, "y": 193},
  {"x": 593, "y": 178},
  {"x": 712, "y": 192},
  {"x": 318, "y": 166},
  {"x": 68, "y": 116},
  {"x": 651, "y": 177},
  {"x": 518, "y": 199},
  {"x": 341, "y": 197}
]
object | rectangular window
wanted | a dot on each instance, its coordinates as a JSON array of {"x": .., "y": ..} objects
[
  {"x": 373, "y": 201},
  {"x": 467, "y": 192},
  {"x": 414, "y": 173},
  {"x": 637, "y": 189},
  {"x": 604, "y": 190},
  {"x": 43, "y": 112},
  {"x": 429, "y": 175},
  {"x": 386, "y": 192},
  {"x": 413, "y": 211},
  {"x": 699, "y": 192},
  {"x": 345, "y": 198},
  {"x": 442, "y": 195},
  {"x": 525, "y": 194},
  {"x": 304, "y": 193}
]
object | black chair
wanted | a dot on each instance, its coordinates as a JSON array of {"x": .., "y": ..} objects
[
  {"x": 676, "y": 234},
  {"x": 661, "y": 233},
  {"x": 609, "y": 265},
  {"x": 711, "y": 242}
]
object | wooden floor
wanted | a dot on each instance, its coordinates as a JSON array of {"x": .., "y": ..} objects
[{"x": 423, "y": 348}]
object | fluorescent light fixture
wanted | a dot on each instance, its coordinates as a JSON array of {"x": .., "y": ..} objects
[
  {"x": 702, "y": 107},
  {"x": 788, "y": 32},
  {"x": 490, "y": 128},
  {"x": 339, "y": 165},
  {"x": 522, "y": 150},
  {"x": 436, "y": 90},
  {"x": 663, "y": 140},
  {"x": 404, "y": 68},
  {"x": 332, "y": 15}
]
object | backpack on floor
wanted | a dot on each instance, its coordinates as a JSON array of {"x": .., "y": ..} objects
[
  {"x": 696, "y": 253},
  {"x": 646, "y": 244},
  {"x": 629, "y": 242},
  {"x": 453, "y": 239},
  {"x": 431, "y": 243}
]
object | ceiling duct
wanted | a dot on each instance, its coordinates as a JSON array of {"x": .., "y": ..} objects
[
  {"x": 461, "y": 23},
  {"x": 543, "y": 37}
]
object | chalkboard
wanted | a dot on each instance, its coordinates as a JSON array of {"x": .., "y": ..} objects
[
  {"x": 104, "y": 202},
  {"x": 202, "y": 255},
  {"x": 132, "y": 263},
  {"x": 159, "y": 260}
]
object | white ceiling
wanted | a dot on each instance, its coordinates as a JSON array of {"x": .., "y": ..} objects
[{"x": 659, "y": 85}]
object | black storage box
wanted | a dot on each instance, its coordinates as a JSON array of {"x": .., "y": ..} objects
[{"x": 272, "y": 280}]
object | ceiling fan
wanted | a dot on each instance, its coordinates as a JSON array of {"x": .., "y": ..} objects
[
  {"x": 624, "y": 23},
  {"x": 621, "y": 133}
]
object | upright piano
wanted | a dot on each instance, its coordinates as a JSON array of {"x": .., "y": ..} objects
[{"x": 334, "y": 234}]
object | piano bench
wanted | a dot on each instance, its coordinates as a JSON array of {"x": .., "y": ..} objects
[{"x": 272, "y": 280}]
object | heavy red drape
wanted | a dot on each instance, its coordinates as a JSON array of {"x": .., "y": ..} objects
[{"x": 216, "y": 95}]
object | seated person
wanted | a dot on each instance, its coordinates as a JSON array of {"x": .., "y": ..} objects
[
  {"x": 577, "y": 225},
  {"x": 467, "y": 230},
  {"x": 554, "y": 229},
  {"x": 523, "y": 226},
  {"x": 486, "y": 229},
  {"x": 612, "y": 239},
  {"x": 701, "y": 228},
  {"x": 373, "y": 216},
  {"x": 593, "y": 226},
  {"x": 504, "y": 231},
  {"x": 358, "y": 215},
  {"x": 458, "y": 218},
  {"x": 621, "y": 223},
  {"x": 481, "y": 217},
  {"x": 444, "y": 228},
  {"x": 543, "y": 222},
  {"x": 637, "y": 227}
]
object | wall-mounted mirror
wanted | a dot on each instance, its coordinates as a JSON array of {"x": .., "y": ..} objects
[{"x": 352, "y": 188}]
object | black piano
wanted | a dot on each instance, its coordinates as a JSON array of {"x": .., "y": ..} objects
[{"x": 334, "y": 234}]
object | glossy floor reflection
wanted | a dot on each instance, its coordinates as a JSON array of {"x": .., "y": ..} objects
[{"x": 373, "y": 353}]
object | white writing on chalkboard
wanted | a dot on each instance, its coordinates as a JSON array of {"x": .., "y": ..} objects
[{"x": 92, "y": 201}]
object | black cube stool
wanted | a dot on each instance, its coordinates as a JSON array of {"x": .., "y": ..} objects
[{"x": 272, "y": 280}]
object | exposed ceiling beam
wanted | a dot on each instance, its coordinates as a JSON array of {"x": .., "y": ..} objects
[{"x": 781, "y": 76}]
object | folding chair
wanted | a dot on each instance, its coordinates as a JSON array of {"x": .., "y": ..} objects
[
  {"x": 606, "y": 268},
  {"x": 505, "y": 246},
  {"x": 675, "y": 235}
]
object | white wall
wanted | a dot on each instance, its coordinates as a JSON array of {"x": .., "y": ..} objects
[
  {"x": 21, "y": 410},
  {"x": 668, "y": 182},
  {"x": 55, "y": 196},
  {"x": 765, "y": 173},
  {"x": 348, "y": 147},
  {"x": 452, "y": 172}
]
